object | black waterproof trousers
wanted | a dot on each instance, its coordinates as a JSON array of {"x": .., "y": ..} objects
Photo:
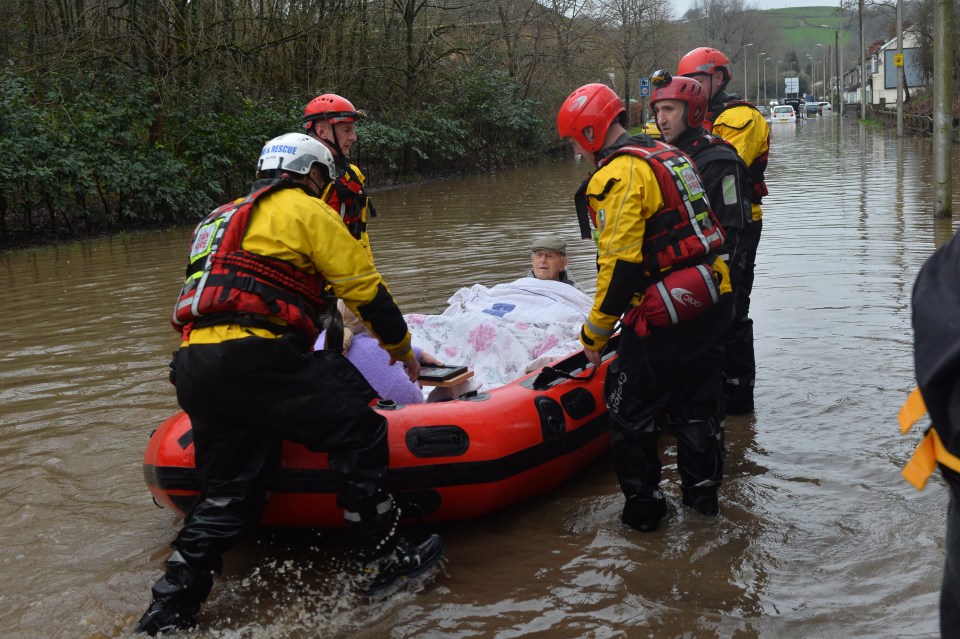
[
  {"x": 673, "y": 375},
  {"x": 739, "y": 363},
  {"x": 243, "y": 397},
  {"x": 950, "y": 588}
]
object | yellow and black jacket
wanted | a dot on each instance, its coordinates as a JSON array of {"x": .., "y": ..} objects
[
  {"x": 627, "y": 199},
  {"x": 302, "y": 231},
  {"x": 348, "y": 196},
  {"x": 743, "y": 126}
]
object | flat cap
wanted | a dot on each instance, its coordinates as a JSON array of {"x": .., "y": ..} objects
[{"x": 549, "y": 243}]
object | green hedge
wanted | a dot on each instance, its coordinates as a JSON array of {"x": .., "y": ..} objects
[{"x": 98, "y": 153}]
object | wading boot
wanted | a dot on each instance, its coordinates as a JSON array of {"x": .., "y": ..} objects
[
  {"x": 165, "y": 617},
  {"x": 405, "y": 561},
  {"x": 738, "y": 397},
  {"x": 176, "y": 598},
  {"x": 702, "y": 499},
  {"x": 644, "y": 513},
  {"x": 386, "y": 558}
]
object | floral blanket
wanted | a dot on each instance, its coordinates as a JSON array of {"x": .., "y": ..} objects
[{"x": 503, "y": 332}]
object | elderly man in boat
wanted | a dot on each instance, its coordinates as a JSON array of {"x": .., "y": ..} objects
[
  {"x": 505, "y": 331},
  {"x": 549, "y": 257}
]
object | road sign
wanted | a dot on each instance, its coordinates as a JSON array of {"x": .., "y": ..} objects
[
  {"x": 792, "y": 85},
  {"x": 644, "y": 87},
  {"x": 898, "y": 59}
]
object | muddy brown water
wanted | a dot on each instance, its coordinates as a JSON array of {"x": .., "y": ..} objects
[{"x": 818, "y": 535}]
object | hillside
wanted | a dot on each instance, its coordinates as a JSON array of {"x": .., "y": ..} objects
[{"x": 801, "y": 28}]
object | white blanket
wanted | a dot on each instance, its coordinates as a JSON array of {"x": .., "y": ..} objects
[{"x": 505, "y": 331}]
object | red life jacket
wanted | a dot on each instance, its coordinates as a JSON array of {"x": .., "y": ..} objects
[
  {"x": 347, "y": 197},
  {"x": 759, "y": 166},
  {"x": 228, "y": 285},
  {"x": 685, "y": 230}
]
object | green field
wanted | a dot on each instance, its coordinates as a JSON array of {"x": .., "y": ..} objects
[{"x": 801, "y": 27}]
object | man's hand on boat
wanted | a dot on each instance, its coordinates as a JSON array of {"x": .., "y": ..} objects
[
  {"x": 410, "y": 363},
  {"x": 592, "y": 356}
]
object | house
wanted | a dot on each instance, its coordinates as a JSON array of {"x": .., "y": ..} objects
[{"x": 882, "y": 78}]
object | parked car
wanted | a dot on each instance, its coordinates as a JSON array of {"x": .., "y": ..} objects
[
  {"x": 650, "y": 128},
  {"x": 783, "y": 113},
  {"x": 796, "y": 104},
  {"x": 811, "y": 109},
  {"x": 765, "y": 111},
  {"x": 826, "y": 108}
]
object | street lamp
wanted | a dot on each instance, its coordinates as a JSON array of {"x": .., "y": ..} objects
[
  {"x": 762, "y": 53},
  {"x": 824, "y": 79},
  {"x": 776, "y": 77},
  {"x": 744, "y": 49},
  {"x": 765, "y": 60},
  {"x": 825, "y": 86},
  {"x": 838, "y": 68},
  {"x": 813, "y": 71}
]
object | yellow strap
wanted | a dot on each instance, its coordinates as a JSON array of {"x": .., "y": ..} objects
[
  {"x": 923, "y": 463},
  {"x": 925, "y": 458},
  {"x": 912, "y": 410}
]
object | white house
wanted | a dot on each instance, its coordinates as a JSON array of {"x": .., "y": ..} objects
[{"x": 882, "y": 83}]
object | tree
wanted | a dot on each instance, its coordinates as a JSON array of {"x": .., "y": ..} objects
[{"x": 637, "y": 31}]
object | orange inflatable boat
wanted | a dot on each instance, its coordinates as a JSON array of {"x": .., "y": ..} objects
[{"x": 451, "y": 460}]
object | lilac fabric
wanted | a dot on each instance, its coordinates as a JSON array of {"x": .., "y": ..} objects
[{"x": 390, "y": 382}]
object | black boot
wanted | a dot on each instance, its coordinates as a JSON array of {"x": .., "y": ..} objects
[
  {"x": 165, "y": 617},
  {"x": 404, "y": 562},
  {"x": 702, "y": 499},
  {"x": 644, "y": 513},
  {"x": 384, "y": 556},
  {"x": 176, "y": 598},
  {"x": 738, "y": 398}
]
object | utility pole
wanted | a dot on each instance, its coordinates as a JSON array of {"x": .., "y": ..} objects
[
  {"x": 898, "y": 68},
  {"x": 745, "y": 56},
  {"x": 942, "y": 106},
  {"x": 863, "y": 68},
  {"x": 763, "y": 53},
  {"x": 836, "y": 37}
]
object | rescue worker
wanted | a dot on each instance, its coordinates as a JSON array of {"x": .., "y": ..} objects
[
  {"x": 742, "y": 125},
  {"x": 248, "y": 315},
  {"x": 679, "y": 105},
  {"x": 332, "y": 119},
  {"x": 936, "y": 343},
  {"x": 657, "y": 239}
]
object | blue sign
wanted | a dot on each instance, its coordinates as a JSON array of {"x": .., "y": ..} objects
[{"x": 644, "y": 87}]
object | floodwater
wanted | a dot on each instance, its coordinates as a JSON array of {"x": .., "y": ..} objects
[{"x": 818, "y": 535}]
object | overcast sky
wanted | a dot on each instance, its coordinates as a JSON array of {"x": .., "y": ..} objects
[{"x": 681, "y": 6}]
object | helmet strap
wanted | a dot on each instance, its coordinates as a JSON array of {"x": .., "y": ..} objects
[{"x": 336, "y": 140}]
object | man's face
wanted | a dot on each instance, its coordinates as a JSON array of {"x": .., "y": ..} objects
[
  {"x": 346, "y": 135},
  {"x": 548, "y": 264},
  {"x": 709, "y": 81},
  {"x": 578, "y": 149},
  {"x": 671, "y": 118}
]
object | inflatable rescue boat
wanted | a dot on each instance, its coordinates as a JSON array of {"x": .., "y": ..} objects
[{"x": 452, "y": 460}]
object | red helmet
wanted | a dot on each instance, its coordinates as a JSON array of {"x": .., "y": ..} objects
[
  {"x": 592, "y": 105},
  {"x": 331, "y": 108},
  {"x": 686, "y": 90},
  {"x": 705, "y": 60}
]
